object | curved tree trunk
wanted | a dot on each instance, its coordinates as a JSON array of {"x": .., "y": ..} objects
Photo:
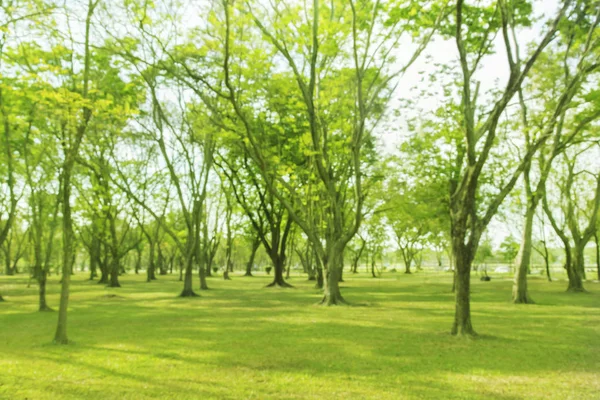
[
  {"x": 520, "y": 294},
  {"x": 250, "y": 263}
]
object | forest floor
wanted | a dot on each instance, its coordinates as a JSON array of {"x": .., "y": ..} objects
[{"x": 240, "y": 340}]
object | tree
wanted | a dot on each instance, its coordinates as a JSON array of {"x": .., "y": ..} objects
[
  {"x": 71, "y": 142},
  {"x": 364, "y": 83},
  {"x": 480, "y": 132},
  {"x": 559, "y": 80},
  {"x": 578, "y": 214}
]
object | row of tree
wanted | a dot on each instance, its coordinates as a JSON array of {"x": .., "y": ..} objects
[{"x": 130, "y": 121}]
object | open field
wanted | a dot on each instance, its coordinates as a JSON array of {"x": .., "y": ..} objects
[{"x": 242, "y": 341}]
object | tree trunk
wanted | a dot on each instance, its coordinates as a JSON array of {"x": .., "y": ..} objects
[
  {"x": 60, "y": 337},
  {"x": 103, "y": 263},
  {"x": 574, "y": 266},
  {"x": 201, "y": 257},
  {"x": 114, "y": 273},
  {"x": 547, "y": 261},
  {"x": 320, "y": 278},
  {"x": 462, "y": 318},
  {"x": 332, "y": 295},
  {"x": 520, "y": 295},
  {"x": 454, "y": 280},
  {"x": 278, "y": 267},
  {"x": 255, "y": 246},
  {"x": 161, "y": 263},
  {"x": 209, "y": 267},
  {"x": 597, "y": 254},
  {"x": 93, "y": 261},
  {"x": 138, "y": 262},
  {"x": 373, "y": 267},
  {"x": 150, "y": 274},
  {"x": 42, "y": 279},
  {"x": 188, "y": 290}
]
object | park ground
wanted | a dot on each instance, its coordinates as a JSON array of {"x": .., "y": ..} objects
[{"x": 240, "y": 340}]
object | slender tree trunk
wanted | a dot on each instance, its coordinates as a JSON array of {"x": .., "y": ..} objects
[
  {"x": 60, "y": 337},
  {"x": 138, "y": 262},
  {"x": 161, "y": 263},
  {"x": 407, "y": 268},
  {"x": 373, "y": 267},
  {"x": 320, "y": 277},
  {"x": 42, "y": 278},
  {"x": 150, "y": 274},
  {"x": 255, "y": 246},
  {"x": 209, "y": 267},
  {"x": 201, "y": 256},
  {"x": 462, "y": 318},
  {"x": 548, "y": 270},
  {"x": 7, "y": 260},
  {"x": 520, "y": 295},
  {"x": 597, "y": 254},
  {"x": 93, "y": 259},
  {"x": 188, "y": 290}
]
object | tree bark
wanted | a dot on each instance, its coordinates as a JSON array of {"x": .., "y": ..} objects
[
  {"x": 150, "y": 271},
  {"x": 520, "y": 294},
  {"x": 255, "y": 246},
  {"x": 114, "y": 273},
  {"x": 60, "y": 337},
  {"x": 103, "y": 271},
  {"x": 188, "y": 290},
  {"x": 320, "y": 279},
  {"x": 42, "y": 279},
  {"x": 574, "y": 266},
  {"x": 278, "y": 267},
  {"x": 462, "y": 317},
  {"x": 332, "y": 295},
  {"x": 597, "y": 254}
]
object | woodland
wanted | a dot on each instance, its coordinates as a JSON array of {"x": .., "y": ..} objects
[{"x": 300, "y": 199}]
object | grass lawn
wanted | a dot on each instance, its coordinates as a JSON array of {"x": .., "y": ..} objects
[{"x": 242, "y": 341}]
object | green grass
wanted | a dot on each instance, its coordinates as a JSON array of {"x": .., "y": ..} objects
[{"x": 242, "y": 341}]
